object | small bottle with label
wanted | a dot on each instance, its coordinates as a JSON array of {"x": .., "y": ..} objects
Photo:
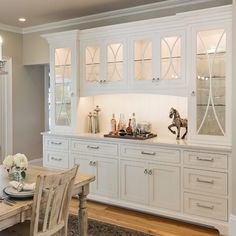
[
  {"x": 133, "y": 125},
  {"x": 113, "y": 124}
]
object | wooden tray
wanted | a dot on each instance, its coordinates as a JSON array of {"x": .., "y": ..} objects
[{"x": 138, "y": 137}]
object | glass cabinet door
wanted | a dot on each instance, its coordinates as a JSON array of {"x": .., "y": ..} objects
[
  {"x": 143, "y": 60},
  {"x": 211, "y": 82},
  {"x": 92, "y": 63},
  {"x": 62, "y": 86},
  {"x": 170, "y": 58},
  {"x": 115, "y": 62}
]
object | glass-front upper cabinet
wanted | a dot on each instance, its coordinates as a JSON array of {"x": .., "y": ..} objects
[
  {"x": 93, "y": 63},
  {"x": 143, "y": 60},
  {"x": 171, "y": 58},
  {"x": 210, "y": 91},
  {"x": 62, "y": 85},
  {"x": 104, "y": 66},
  {"x": 158, "y": 61},
  {"x": 63, "y": 80},
  {"x": 115, "y": 62}
]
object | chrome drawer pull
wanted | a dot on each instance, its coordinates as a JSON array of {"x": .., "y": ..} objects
[
  {"x": 145, "y": 171},
  {"x": 148, "y": 153},
  {"x": 93, "y": 147},
  {"x": 56, "y": 143},
  {"x": 204, "y": 206},
  {"x": 56, "y": 159},
  {"x": 205, "y": 159},
  {"x": 150, "y": 172},
  {"x": 205, "y": 181}
]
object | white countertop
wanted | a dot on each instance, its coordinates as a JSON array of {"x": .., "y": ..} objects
[{"x": 160, "y": 141}]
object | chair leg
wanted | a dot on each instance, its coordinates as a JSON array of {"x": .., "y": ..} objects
[{"x": 63, "y": 231}]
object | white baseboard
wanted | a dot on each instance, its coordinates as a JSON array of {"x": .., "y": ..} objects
[
  {"x": 232, "y": 225},
  {"x": 38, "y": 161}
]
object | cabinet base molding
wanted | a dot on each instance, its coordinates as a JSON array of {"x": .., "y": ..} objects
[
  {"x": 222, "y": 227},
  {"x": 232, "y": 225}
]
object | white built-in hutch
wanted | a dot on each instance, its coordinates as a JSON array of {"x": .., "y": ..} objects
[{"x": 187, "y": 55}]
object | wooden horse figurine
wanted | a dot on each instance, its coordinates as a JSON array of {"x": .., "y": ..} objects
[{"x": 177, "y": 122}]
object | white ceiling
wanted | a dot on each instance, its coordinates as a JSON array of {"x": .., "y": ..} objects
[{"x": 39, "y": 12}]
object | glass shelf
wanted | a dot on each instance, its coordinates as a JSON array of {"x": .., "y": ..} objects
[
  {"x": 210, "y": 53},
  {"x": 112, "y": 62},
  {"x": 91, "y": 64},
  {"x": 168, "y": 58},
  {"x": 216, "y": 105},
  {"x": 68, "y": 65},
  {"x": 140, "y": 60}
]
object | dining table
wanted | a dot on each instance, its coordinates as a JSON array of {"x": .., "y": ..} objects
[{"x": 21, "y": 209}]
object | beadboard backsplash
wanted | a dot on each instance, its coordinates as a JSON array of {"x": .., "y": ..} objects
[{"x": 147, "y": 107}]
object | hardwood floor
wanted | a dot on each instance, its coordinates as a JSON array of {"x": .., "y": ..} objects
[{"x": 142, "y": 222}]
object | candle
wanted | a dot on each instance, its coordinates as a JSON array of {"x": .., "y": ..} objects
[{"x": 1, "y": 48}]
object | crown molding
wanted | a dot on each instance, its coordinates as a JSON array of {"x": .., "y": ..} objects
[
  {"x": 104, "y": 16},
  {"x": 114, "y": 14},
  {"x": 179, "y": 20},
  {"x": 66, "y": 35},
  {"x": 10, "y": 28}
]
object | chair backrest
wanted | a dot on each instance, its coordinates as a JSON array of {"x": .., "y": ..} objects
[{"x": 51, "y": 202}]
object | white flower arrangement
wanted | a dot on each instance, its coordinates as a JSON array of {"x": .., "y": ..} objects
[{"x": 16, "y": 164}]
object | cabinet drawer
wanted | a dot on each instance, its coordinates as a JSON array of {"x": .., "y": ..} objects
[
  {"x": 94, "y": 148},
  {"x": 205, "y": 181},
  {"x": 56, "y": 159},
  {"x": 210, "y": 160},
  {"x": 159, "y": 154},
  {"x": 56, "y": 143},
  {"x": 209, "y": 207}
]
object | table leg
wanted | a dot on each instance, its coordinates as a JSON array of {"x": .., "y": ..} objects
[{"x": 83, "y": 215}]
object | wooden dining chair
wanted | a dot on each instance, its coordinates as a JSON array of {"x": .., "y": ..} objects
[{"x": 51, "y": 204}]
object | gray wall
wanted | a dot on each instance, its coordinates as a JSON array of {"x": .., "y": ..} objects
[
  {"x": 234, "y": 113},
  {"x": 35, "y": 49},
  {"x": 27, "y": 99}
]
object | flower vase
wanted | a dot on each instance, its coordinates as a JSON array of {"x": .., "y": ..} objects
[{"x": 16, "y": 174}]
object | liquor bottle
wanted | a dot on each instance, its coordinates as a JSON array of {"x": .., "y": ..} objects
[
  {"x": 133, "y": 125},
  {"x": 113, "y": 124},
  {"x": 129, "y": 129},
  {"x": 121, "y": 124}
]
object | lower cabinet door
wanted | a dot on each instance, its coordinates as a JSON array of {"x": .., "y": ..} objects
[
  {"x": 105, "y": 171},
  {"x": 86, "y": 166},
  {"x": 164, "y": 186},
  {"x": 134, "y": 181}
]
